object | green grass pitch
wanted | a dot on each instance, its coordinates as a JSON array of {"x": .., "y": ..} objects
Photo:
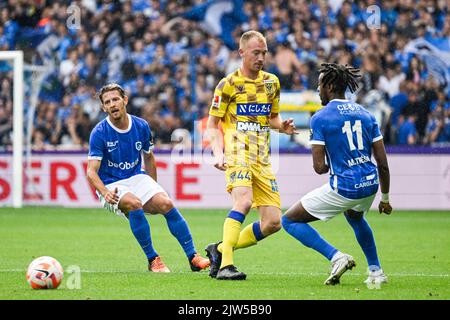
[{"x": 413, "y": 249}]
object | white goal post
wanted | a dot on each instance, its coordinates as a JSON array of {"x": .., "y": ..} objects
[{"x": 18, "y": 94}]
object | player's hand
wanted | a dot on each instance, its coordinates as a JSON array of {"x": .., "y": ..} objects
[
  {"x": 288, "y": 126},
  {"x": 220, "y": 163},
  {"x": 112, "y": 197},
  {"x": 384, "y": 207}
]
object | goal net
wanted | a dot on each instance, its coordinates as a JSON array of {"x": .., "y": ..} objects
[{"x": 19, "y": 86}]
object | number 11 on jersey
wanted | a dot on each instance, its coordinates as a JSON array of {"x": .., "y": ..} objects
[{"x": 348, "y": 129}]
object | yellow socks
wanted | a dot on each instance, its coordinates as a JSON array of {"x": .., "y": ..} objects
[
  {"x": 248, "y": 237},
  {"x": 231, "y": 231}
]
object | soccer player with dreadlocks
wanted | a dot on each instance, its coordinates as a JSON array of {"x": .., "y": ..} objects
[{"x": 343, "y": 137}]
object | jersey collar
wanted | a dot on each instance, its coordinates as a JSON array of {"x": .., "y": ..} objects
[
  {"x": 340, "y": 100},
  {"x": 120, "y": 130},
  {"x": 241, "y": 75}
]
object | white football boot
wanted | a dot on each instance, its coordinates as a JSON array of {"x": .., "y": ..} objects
[
  {"x": 343, "y": 263},
  {"x": 376, "y": 277}
]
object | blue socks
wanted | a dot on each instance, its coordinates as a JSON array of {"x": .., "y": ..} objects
[
  {"x": 307, "y": 235},
  {"x": 365, "y": 238},
  {"x": 177, "y": 226},
  {"x": 141, "y": 230},
  {"x": 180, "y": 230}
]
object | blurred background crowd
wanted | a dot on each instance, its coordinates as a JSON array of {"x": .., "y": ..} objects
[{"x": 169, "y": 63}]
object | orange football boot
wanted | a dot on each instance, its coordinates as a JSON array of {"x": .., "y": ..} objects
[
  {"x": 157, "y": 265},
  {"x": 199, "y": 263}
]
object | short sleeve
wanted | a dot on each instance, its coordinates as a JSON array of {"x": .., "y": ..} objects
[
  {"x": 276, "y": 99},
  {"x": 376, "y": 133},
  {"x": 221, "y": 99},
  {"x": 148, "y": 144},
  {"x": 96, "y": 146},
  {"x": 317, "y": 135}
]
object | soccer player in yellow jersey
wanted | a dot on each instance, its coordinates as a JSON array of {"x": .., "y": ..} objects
[{"x": 247, "y": 104}]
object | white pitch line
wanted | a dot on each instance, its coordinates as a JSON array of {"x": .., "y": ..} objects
[{"x": 261, "y": 273}]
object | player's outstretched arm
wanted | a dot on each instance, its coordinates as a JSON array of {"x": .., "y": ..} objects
[
  {"x": 96, "y": 182},
  {"x": 213, "y": 135},
  {"x": 379, "y": 153},
  {"x": 283, "y": 126},
  {"x": 318, "y": 154}
]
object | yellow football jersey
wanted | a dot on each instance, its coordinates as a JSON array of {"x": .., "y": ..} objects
[{"x": 245, "y": 106}]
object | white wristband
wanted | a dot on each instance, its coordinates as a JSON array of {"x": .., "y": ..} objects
[{"x": 385, "y": 197}]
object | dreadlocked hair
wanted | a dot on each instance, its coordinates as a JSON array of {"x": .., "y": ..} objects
[{"x": 340, "y": 77}]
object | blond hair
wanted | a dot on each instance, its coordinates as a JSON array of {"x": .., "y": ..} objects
[{"x": 246, "y": 36}]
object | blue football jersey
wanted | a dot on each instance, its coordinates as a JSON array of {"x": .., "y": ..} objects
[
  {"x": 348, "y": 130},
  {"x": 120, "y": 150}
]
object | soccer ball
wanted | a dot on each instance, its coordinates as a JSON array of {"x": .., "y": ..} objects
[{"x": 45, "y": 273}]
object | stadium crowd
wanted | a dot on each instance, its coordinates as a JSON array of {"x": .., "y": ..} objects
[{"x": 169, "y": 65}]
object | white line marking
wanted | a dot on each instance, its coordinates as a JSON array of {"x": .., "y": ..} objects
[{"x": 351, "y": 273}]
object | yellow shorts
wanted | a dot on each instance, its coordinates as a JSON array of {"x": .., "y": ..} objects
[{"x": 258, "y": 177}]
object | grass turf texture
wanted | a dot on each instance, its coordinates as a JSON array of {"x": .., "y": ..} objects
[{"x": 412, "y": 246}]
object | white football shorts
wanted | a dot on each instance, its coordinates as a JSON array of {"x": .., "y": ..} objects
[
  {"x": 325, "y": 203},
  {"x": 140, "y": 185}
]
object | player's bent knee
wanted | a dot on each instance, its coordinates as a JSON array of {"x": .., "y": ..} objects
[
  {"x": 354, "y": 215},
  {"x": 271, "y": 227},
  {"x": 132, "y": 204},
  {"x": 275, "y": 227},
  {"x": 164, "y": 205}
]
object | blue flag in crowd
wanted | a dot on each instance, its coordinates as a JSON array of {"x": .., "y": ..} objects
[
  {"x": 435, "y": 53},
  {"x": 219, "y": 17}
]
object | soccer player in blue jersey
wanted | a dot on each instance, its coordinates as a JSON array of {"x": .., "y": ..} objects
[
  {"x": 116, "y": 148},
  {"x": 343, "y": 137}
]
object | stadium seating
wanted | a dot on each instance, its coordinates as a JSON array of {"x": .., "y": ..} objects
[{"x": 170, "y": 74}]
